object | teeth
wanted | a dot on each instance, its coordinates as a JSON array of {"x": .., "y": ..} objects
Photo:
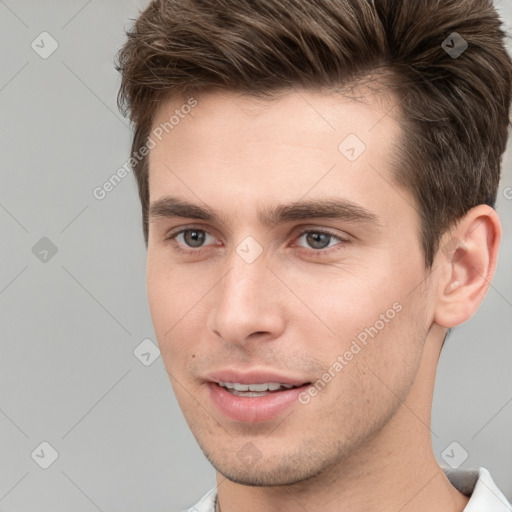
[
  {"x": 248, "y": 393},
  {"x": 258, "y": 388}
]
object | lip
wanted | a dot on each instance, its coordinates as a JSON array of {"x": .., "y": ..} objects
[
  {"x": 253, "y": 377},
  {"x": 253, "y": 409}
]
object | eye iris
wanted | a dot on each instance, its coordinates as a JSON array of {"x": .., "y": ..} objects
[
  {"x": 318, "y": 240},
  {"x": 194, "y": 238}
]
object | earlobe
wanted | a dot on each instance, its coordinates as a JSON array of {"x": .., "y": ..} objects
[{"x": 466, "y": 264}]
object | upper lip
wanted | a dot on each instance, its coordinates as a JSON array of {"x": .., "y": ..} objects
[{"x": 253, "y": 377}]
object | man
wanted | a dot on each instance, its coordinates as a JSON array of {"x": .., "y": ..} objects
[{"x": 317, "y": 182}]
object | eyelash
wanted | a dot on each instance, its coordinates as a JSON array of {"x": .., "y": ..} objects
[{"x": 313, "y": 252}]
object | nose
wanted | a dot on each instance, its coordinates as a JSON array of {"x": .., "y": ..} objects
[{"x": 247, "y": 304}]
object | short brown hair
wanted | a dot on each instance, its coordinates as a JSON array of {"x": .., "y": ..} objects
[{"x": 456, "y": 107}]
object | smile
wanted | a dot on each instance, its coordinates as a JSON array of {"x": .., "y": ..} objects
[
  {"x": 254, "y": 390},
  {"x": 253, "y": 403}
]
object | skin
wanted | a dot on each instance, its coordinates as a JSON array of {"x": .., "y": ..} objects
[{"x": 363, "y": 443}]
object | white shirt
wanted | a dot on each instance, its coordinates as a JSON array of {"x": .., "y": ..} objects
[{"x": 476, "y": 483}]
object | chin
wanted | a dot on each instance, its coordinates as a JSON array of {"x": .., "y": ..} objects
[
  {"x": 258, "y": 477},
  {"x": 280, "y": 470}
]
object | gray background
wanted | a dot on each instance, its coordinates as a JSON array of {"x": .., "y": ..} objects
[{"x": 70, "y": 324}]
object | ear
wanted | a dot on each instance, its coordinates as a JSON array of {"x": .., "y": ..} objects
[{"x": 466, "y": 262}]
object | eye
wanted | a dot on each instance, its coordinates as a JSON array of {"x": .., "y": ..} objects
[
  {"x": 192, "y": 238},
  {"x": 319, "y": 240}
]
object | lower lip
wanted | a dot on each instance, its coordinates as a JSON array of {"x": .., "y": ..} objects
[{"x": 253, "y": 409}]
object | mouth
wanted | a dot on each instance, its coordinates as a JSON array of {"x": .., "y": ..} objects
[
  {"x": 255, "y": 390},
  {"x": 254, "y": 396}
]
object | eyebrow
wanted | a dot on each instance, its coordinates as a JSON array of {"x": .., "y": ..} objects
[{"x": 326, "y": 208}]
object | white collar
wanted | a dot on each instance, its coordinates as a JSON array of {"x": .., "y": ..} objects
[{"x": 478, "y": 483}]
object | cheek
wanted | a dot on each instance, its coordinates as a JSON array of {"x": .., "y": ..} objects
[
  {"x": 376, "y": 368},
  {"x": 166, "y": 302},
  {"x": 361, "y": 291},
  {"x": 341, "y": 300},
  {"x": 369, "y": 323},
  {"x": 177, "y": 307},
  {"x": 173, "y": 321}
]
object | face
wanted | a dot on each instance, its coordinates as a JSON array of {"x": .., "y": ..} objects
[{"x": 285, "y": 278}]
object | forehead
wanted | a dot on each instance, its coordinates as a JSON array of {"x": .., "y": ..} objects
[{"x": 234, "y": 149}]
